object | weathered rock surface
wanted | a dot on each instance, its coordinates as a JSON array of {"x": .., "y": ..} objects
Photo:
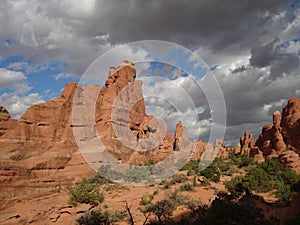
[
  {"x": 180, "y": 137},
  {"x": 271, "y": 140},
  {"x": 38, "y": 153},
  {"x": 246, "y": 142},
  {"x": 6, "y": 122},
  {"x": 290, "y": 124},
  {"x": 279, "y": 139},
  {"x": 40, "y": 147},
  {"x": 291, "y": 159},
  {"x": 122, "y": 123}
]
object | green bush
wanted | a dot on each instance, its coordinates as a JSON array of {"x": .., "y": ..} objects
[
  {"x": 222, "y": 164},
  {"x": 133, "y": 174},
  {"x": 146, "y": 200},
  {"x": 212, "y": 173},
  {"x": 162, "y": 210},
  {"x": 240, "y": 160},
  {"x": 192, "y": 165},
  {"x": 205, "y": 182},
  {"x": 98, "y": 217},
  {"x": 265, "y": 177},
  {"x": 177, "y": 199},
  {"x": 178, "y": 178},
  {"x": 85, "y": 192},
  {"x": 222, "y": 211},
  {"x": 186, "y": 187}
]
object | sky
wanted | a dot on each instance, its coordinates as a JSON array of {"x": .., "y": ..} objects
[{"x": 252, "y": 48}]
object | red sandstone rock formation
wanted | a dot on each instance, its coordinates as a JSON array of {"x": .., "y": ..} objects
[
  {"x": 40, "y": 146},
  {"x": 246, "y": 142},
  {"x": 291, "y": 159},
  {"x": 290, "y": 124},
  {"x": 180, "y": 137},
  {"x": 278, "y": 137},
  {"x": 6, "y": 122},
  {"x": 283, "y": 133},
  {"x": 122, "y": 123},
  {"x": 42, "y": 139}
]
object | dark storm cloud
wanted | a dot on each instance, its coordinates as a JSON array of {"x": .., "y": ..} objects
[
  {"x": 274, "y": 56},
  {"x": 189, "y": 22},
  {"x": 66, "y": 31},
  {"x": 257, "y": 76}
]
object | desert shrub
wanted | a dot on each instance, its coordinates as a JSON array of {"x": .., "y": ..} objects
[
  {"x": 265, "y": 177},
  {"x": 177, "y": 199},
  {"x": 186, "y": 187},
  {"x": 223, "y": 212},
  {"x": 193, "y": 204},
  {"x": 232, "y": 169},
  {"x": 212, "y": 173},
  {"x": 240, "y": 160},
  {"x": 134, "y": 174},
  {"x": 146, "y": 200},
  {"x": 192, "y": 165},
  {"x": 162, "y": 210},
  {"x": 178, "y": 178},
  {"x": 191, "y": 172},
  {"x": 284, "y": 192},
  {"x": 98, "y": 179},
  {"x": 108, "y": 172},
  {"x": 195, "y": 184},
  {"x": 98, "y": 217},
  {"x": 85, "y": 192},
  {"x": 150, "y": 162},
  {"x": 222, "y": 164},
  {"x": 205, "y": 182}
]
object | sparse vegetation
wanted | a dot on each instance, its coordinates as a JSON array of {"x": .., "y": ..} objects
[
  {"x": 178, "y": 178},
  {"x": 99, "y": 217},
  {"x": 266, "y": 177},
  {"x": 133, "y": 175},
  {"x": 85, "y": 192},
  {"x": 212, "y": 172},
  {"x": 230, "y": 207},
  {"x": 113, "y": 187},
  {"x": 186, "y": 187},
  {"x": 146, "y": 200},
  {"x": 223, "y": 211}
]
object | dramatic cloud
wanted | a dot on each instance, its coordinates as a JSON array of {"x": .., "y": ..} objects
[
  {"x": 78, "y": 31},
  {"x": 251, "y": 46},
  {"x": 13, "y": 80},
  {"x": 16, "y": 105}
]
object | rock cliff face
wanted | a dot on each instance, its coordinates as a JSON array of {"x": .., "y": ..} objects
[
  {"x": 6, "y": 122},
  {"x": 38, "y": 151},
  {"x": 122, "y": 123},
  {"x": 42, "y": 141},
  {"x": 290, "y": 124},
  {"x": 271, "y": 140}
]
